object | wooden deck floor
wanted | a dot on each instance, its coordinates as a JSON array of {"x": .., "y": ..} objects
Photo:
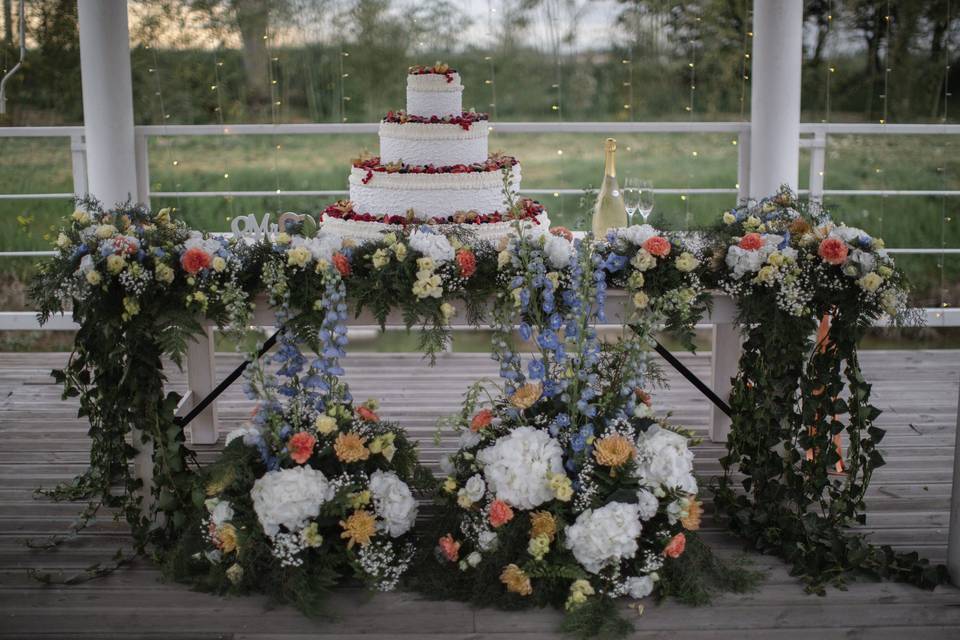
[{"x": 42, "y": 442}]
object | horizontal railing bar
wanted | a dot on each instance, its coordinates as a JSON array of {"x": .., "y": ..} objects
[
  {"x": 891, "y": 192},
  {"x": 40, "y": 132},
  {"x": 36, "y": 196},
  {"x": 27, "y": 254},
  {"x": 863, "y": 128}
]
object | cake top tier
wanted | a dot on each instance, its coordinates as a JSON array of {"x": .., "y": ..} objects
[{"x": 434, "y": 91}]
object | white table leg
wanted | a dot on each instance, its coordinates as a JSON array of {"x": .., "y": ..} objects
[
  {"x": 723, "y": 367},
  {"x": 953, "y": 533},
  {"x": 201, "y": 374}
]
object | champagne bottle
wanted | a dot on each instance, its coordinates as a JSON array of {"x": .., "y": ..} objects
[{"x": 609, "y": 211}]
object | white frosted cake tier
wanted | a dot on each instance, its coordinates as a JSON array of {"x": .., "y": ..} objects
[
  {"x": 431, "y": 94},
  {"x": 429, "y": 194},
  {"x": 438, "y": 144},
  {"x": 364, "y": 231}
]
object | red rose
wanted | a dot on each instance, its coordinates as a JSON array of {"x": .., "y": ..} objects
[
  {"x": 301, "y": 446},
  {"x": 500, "y": 513},
  {"x": 833, "y": 251},
  {"x": 657, "y": 246},
  {"x": 367, "y": 415},
  {"x": 675, "y": 547},
  {"x": 342, "y": 264},
  {"x": 195, "y": 259},
  {"x": 481, "y": 420},
  {"x": 467, "y": 262},
  {"x": 751, "y": 242}
]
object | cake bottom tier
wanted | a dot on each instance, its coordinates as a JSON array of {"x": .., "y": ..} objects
[
  {"x": 491, "y": 232},
  {"x": 430, "y": 195}
]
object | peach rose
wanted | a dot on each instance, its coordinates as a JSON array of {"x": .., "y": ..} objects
[
  {"x": 367, "y": 415},
  {"x": 833, "y": 251},
  {"x": 467, "y": 262},
  {"x": 301, "y": 446},
  {"x": 481, "y": 420},
  {"x": 675, "y": 547},
  {"x": 657, "y": 246},
  {"x": 562, "y": 232},
  {"x": 751, "y": 242},
  {"x": 342, "y": 263},
  {"x": 500, "y": 513},
  {"x": 449, "y": 547},
  {"x": 195, "y": 259}
]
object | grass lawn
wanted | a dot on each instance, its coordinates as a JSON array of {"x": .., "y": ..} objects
[{"x": 669, "y": 160}]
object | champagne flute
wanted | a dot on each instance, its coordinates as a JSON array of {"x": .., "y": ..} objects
[
  {"x": 631, "y": 197},
  {"x": 645, "y": 199}
]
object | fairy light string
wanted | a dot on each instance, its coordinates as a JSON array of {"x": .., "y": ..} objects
[
  {"x": 945, "y": 215},
  {"x": 163, "y": 117},
  {"x": 275, "y": 104},
  {"x": 224, "y": 147}
]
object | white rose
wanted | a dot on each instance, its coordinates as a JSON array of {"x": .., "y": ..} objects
[
  {"x": 637, "y": 234},
  {"x": 433, "y": 245},
  {"x": 604, "y": 536},
  {"x": 487, "y": 540},
  {"x": 639, "y": 587},
  {"x": 475, "y": 487},
  {"x": 393, "y": 502}
]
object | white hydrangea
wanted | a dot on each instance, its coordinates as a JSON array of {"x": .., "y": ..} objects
[
  {"x": 517, "y": 466},
  {"x": 603, "y": 536},
  {"x": 744, "y": 261},
  {"x": 321, "y": 247},
  {"x": 432, "y": 245},
  {"x": 664, "y": 461},
  {"x": 289, "y": 497},
  {"x": 393, "y": 502},
  {"x": 636, "y": 234}
]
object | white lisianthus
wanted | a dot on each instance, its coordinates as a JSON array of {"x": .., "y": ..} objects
[
  {"x": 220, "y": 511},
  {"x": 603, "y": 536},
  {"x": 381, "y": 258},
  {"x": 664, "y": 461},
  {"x": 289, "y": 498},
  {"x": 487, "y": 540},
  {"x": 640, "y": 300},
  {"x": 518, "y": 467},
  {"x": 639, "y": 587},
  {"x": 432, "y": 245},
  {"x": 475, "y": 487},
  {"x": 557, "y": 249},
  {"x": 643, "y": 260},
  {"x": 393, "y": 502}
]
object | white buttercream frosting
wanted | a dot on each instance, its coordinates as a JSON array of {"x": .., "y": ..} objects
[
  {"x": 433, "y": 143},
  {"x": 429, "y": 94}
]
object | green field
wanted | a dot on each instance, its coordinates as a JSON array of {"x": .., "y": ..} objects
[{"x": 669, "y": 160}]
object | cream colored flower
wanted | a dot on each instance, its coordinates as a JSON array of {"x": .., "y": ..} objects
[
  {"x": 93, "y": 277},
  {"x": 298, "y": 256},
  {"x": 218, "y": 264},
  {"x": 448, "y": 311},
  {"x": 283, "y": 238},
  {"x": 870, "y": 282},
  {"x": 325, "y": 424},
  {"x": 425, "y": 264},
  {"x": 686, "y": 262},
  {"x": 729, "y": 218},
  {"x": 640, "y": 300},
  {"x": 643, "y": 260},
  {"x": 503, "y": 259},
  {"x": 538, "y": 547},
  {"x": 80, "y": 216},
  {"x": 235, "y": 573},
  {"x": 63, "y": 241},
  {"x": 381, "y": 258},
  {"x": 400, "y": 250},
  {"x": 116, "y": 264},
  {"x": 164, "y": 273},
  {"x": 104, "y": 231}
]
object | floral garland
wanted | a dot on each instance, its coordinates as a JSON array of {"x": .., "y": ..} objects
[
  {"x": 464, "y": 120},
  {"x": 789, "y": 267},
  {"x": 525, "y": 209},
  {"x": 373, "y": 165}
]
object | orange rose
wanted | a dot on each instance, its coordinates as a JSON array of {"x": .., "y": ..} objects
[
  {"x": 450, "y": 548},
  {"x": 833, "y": 251},
  {"x": 751, "y": 242},
  {"x": 500, "y": 513},
  {"x": 467, "y": 262},
  {"x": 301, "y": 446},
  {"x": 675, "y": 547},
  {"x": 657, "y": 246},
  {"x": 367, "y": 415},
  {"x": 195, "y": 259},
  {"x": 342, "y": 264},
  {"x": 481, "y": 420}
]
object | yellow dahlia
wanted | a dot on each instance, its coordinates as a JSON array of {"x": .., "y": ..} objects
[
  {"x": 350, "y": 447},
  {"x": 542, "y": 523},
  {"x": 691, "y": 522},
  {"x": 527, "y": 395},
  {"x": 359, "y": 528},
  {"x": 614, "y": 451},
  {"x": 516, "y": 580}
]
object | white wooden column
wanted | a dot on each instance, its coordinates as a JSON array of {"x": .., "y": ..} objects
[
  {"x": 775, "y": 95},
  {"x": 953, "y": 533},
  {"x": 111, "y": 173},
  {"x": 107, "y": 100}
]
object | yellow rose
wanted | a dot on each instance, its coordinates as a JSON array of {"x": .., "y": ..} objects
[
  {"x": 640, "y": 300},
  {"x": 538, "y": 547},
  {"x": 130, "y": 307},
  {"x": 283, "y": 238},
  {"x": 400, "y": 250},
  {"x": 164, "y": 273},
  {"x": 298, "y": 256},
  {"x": 767, "y": 274},
  {"x": 380, "y": 258},
  {"x": 686, "y": 262},
  {"x": 325, "y": 424},
  {"x": 464, "y": 500},
  {"x": 104, "y": 231},
  {"x": 425, "y": 264},
  {"x": 450, "y": 484},
  {"x": 643, "y": 260},
  {"x": 63, "y": 241},
  {"x": 80, "y": 216},
  {"x": 116, "y": 264},
  {"x": 219, "y": 264},
  {"x": 884, "y": 271},
  {"x": 729, "y": 218},
  {"x": 636, "y": 280},
  {"x": 752, "y": 222},
  {"x": 93, "y": 277},
  {"x": 870, "y": 282},
  {"x": 776, "y": 259}
]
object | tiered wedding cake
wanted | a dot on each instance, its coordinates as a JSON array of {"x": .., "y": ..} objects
[{"x": 434, "y": 168}]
